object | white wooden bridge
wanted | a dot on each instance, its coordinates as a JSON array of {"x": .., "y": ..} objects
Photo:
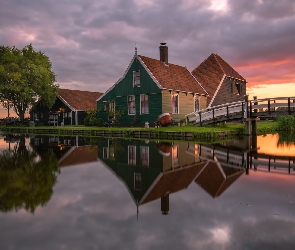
[{"x": 267, "y": 108}]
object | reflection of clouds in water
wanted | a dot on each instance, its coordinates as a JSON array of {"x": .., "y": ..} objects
[
  {"x": 92, "y": 209},
  {"x": 221, "y": 235}
]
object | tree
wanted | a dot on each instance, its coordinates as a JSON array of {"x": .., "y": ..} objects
[
  {"x": 25, "y": 78},
  {"x": 26, "y": 178}
]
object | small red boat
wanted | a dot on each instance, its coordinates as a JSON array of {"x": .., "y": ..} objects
[{"x": 165, "y": 120}]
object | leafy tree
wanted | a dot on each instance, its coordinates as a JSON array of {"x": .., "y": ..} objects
[
  {"x": 25, "y": 78},
  {"x": 26, "y": 178}
]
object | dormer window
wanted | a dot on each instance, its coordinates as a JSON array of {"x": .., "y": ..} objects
[
  {"x": 136, "y": 78},
  {"x": 236, "y": 88}
]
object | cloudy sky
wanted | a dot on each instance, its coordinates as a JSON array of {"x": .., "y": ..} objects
[{"x": 90, "y": 43}]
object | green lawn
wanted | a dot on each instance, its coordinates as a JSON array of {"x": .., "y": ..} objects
[{"x": 262, "y": 128}]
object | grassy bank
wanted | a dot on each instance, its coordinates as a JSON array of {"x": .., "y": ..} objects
[{"x": 206, "y": 133}]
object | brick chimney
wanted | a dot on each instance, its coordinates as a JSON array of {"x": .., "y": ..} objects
[{"x": 164, "y": 53}]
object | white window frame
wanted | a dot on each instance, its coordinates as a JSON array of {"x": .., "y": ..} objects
[
  {"x": 131, "y": 155},
  {"x": 144, "y": 156},
  {"x": 175, "y": 156},
  {"x": 131, "y": 105},
  {"x": 175, "y": 108},
  {"x": 111, "y": 109},
  {"x": 136, "y": 78},
  {"x": 197, "y": 103},
  {"x": 144, "y": 104}
]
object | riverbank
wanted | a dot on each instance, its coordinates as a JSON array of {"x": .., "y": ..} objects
[{"x": 210, "y": 133}]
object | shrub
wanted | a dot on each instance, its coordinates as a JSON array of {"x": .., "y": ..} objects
[
  {"x": 93, "y": 121},
  {"x": 286, "y": 122}
]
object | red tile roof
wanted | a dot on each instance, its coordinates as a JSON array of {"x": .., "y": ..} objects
[
  {"x": 79, "y": 155},
  {"x": 79, "y": 100},
  {"x": 211, "y": 71},
  {"x": 172, "y": 76}
]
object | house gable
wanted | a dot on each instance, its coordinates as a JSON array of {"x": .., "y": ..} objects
[
  {"x": 217, "y": 76},
  {"x": 124, "y": 88}
]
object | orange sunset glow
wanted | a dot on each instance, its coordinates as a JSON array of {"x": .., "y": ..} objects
[{"x": 269, "y": 145}]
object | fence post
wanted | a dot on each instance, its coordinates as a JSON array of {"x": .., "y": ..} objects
[{"x": 255, "y": 103}]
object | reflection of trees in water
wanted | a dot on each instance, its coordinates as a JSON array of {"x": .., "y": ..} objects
[
  {"x": 26, "y": 178},
  {"x": 286, "y": 139}
]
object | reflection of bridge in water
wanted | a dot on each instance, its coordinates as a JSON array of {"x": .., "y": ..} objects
[
  {"x": 247, "y": 159},
  {"x": 267, "y": 108}
]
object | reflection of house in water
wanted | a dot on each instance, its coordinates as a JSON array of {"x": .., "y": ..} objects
[
  {"x": 69, "y": 150},
  {"x": 151, "y": 171},
  {"x": 215, "y": 178},
  {"x": 223, "y": 169},
  {"x": 78, "y": 155}
]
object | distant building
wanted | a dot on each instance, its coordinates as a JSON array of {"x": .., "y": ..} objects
[{"x": 70, "y": 108}]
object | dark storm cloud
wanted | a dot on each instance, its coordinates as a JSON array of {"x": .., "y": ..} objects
[{"x": 91, "y": 43}]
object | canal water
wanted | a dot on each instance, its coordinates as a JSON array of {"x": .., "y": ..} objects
[{"x": 89, "y": 193}]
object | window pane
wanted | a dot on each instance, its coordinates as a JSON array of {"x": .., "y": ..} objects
[
  {"x": 175, "y": 104},
  {"x": 144, "y": 103},
  {"x": 136, "y": 78},
  {"x": 144, "y": 156},
  {"x": 131, "y": 104},
  {"x": 137, "y": 181},
  {"x": 197, "y": 104},
  {"x": 131, "y": 155}
]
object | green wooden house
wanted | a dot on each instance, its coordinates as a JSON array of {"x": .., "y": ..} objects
[{"x": 149, "y": 88}]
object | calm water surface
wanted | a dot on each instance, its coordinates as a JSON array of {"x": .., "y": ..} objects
[{"x": 116, "y": 194}]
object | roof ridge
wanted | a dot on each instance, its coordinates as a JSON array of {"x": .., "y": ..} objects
[
  {"x": 160, "y": 61},
  {"x": 215, "y": 56}
]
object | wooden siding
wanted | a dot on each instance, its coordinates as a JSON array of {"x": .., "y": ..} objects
[
  {"x": 186, "y": 104},
  {"x": 203, "y": 102},
  {"x": 184, "y": 159},
  {"x": 225, "y": 94},
  {"x": 124, "y": 88}
]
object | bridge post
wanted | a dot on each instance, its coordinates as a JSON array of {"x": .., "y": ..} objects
[
  {"x": 250, "y": 122},
  {"x": 246, "y": 116}
]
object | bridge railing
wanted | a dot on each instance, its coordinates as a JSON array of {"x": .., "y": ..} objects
[
  {"x": 268, "y": 106},
  {"x": 216, "y": 112}
]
